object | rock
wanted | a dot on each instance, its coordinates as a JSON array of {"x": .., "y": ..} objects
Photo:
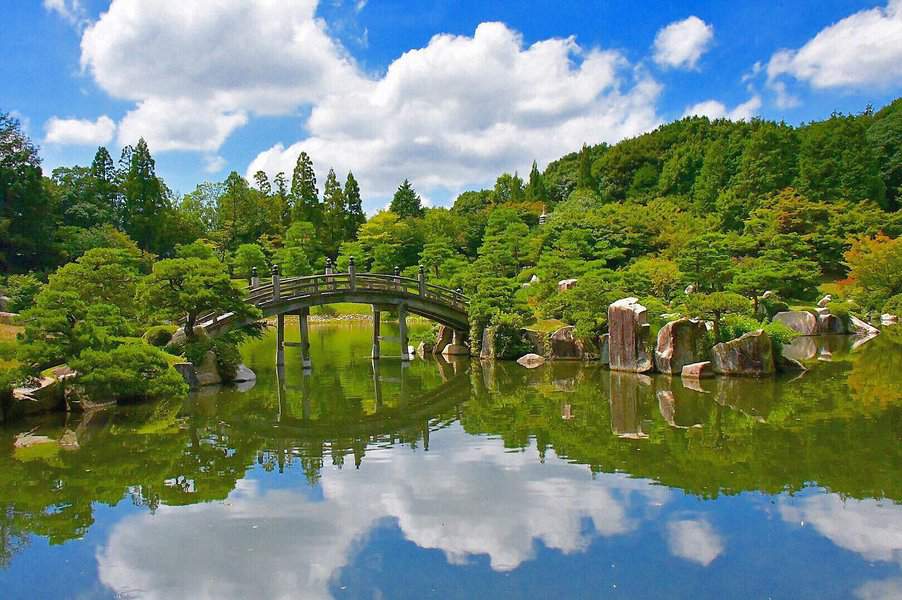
[
  {"x": 888, "y": 319},
  {"x": 8, "y": 318},
  {"x": 534, "y": 279},
  {"x": 769, "y": 294},
  {"x": 565, "y": 345},
  {"x": 208, "y": 371},
  {"x": 423, "y": 348},
  {"x": 699, "y": 370},
  {"x": 443, "y": 337},
  {"x": 243, "y": 374},
  {"x": 801, "y": 348},
  {"x": 629, "y": 332},
  {"x": 566, "y": 284},
  {"x": 5, "y": 301},
  {"x": 531, "y": 361},
  {"x": 751, "y": 355},
  {"x": 455, "y": 350},
  {"x": 823, "y": 302},
  {"x": 860, "y": 340},
  {"x": 69, "y": 441},
  {"x": 27, "y": 440},
  {"x": 188, "y": 373},
  {"x": 681, "y": 342},
  {"x": 179, "y": 337},
  {"x": 789, "y": 365},
  {"x": 604, "y": 354},
  {"x": 800, "y": 321},
  {"x": 830, "y": 324},
  {"x": 42, "y": 395},
  {"x": 690, "y": 289},
  {"x": 487, "y": 348},
  {"x": 862, "y": 327}
]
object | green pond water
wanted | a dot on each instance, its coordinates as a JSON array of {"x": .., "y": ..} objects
[{"x": 463, "y": 480}]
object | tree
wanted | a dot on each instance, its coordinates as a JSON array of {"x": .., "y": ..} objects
[
  {"x": 875, "y": 267},
  {"x": 292, "y": 261},
  {"x": 334, "y": 215},
  {"x": 101, "y": 275},
  {"x": 130, "y": 372},
  {"x": 706, "y": 261},
  {"x": 584, "y": 175},
  {"x": 406, "y": 202},
  {"x": 248, "y": 257},
  {"x": 262, "y": 182},
  {"x": 145, "y": 199},
  {"x": 26, "y": 209},
  {"x": 305, "y": 195},
  {"x": 355, "y": 215},
  {"x": 186, "y": 288},
  {"x": 714, "y": 306},
  {"x": 434, "y": 254},
  {"x": 283, "y": 198},
  {"x": 535, "y": 189}
]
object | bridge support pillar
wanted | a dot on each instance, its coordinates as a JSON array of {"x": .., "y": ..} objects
[
  {"x": 377, "y": 326},
  {"x": 402, "y": 331},
  {"x": 280, "y": 341},
  {"x": 305, "y": 337}
]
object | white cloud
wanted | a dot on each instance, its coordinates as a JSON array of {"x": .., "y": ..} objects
[
  {"x": 179, "y": 124},
  {"x": 463, "y": 109},
  {"x": 694, "y": 540},
  {"x": 682, "y": 43},
  {"x": 437, "y": 500},
  {"x": 714, "y": 109},
  {"x": 214, "y": 163},
  {"x": 79, "y": 131},
  {"x": 862, "y": 50},
  {"x": 870, "y": 528},
  {"x": 71, "y": 11}
]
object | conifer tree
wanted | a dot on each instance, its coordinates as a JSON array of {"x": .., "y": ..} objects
[
  {"x": 262, "y": 182},
  {"x": 304, "y": 192},
  {"x": 406, "y": 202},
  {"x": 535, "y": 189},
  {"x": 144, "y": 198},
  {"x": 584, "y": 178},
  {"x": 355, "y": 216},
  {"x": 333, "y": 214},
  {"x": 283, "y": 197}
]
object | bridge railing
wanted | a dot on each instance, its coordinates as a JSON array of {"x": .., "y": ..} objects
[{"x": 323, "y": 284}]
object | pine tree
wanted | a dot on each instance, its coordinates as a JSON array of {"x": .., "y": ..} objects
[
  {"x": 283, "y": 198},
  {"x": 105, "y": 190},
  {"x": 333, "y": 215},
  {"x": 535, "y": 189},
  {"x": 262, "y": 182},
  {"x": 406, "y": 202},
  {"x": 303, "y": 189},
  {"x": 355, "y": 217},
  {"x": 144, "y": 198},
  {"x": 585, "y": 179}
]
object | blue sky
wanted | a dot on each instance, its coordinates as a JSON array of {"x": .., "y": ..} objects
[{"x": 446, "y": 93}]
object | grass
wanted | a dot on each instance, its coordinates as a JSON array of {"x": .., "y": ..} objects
[
  {"x": 342, "y": 308},
  {"x": 546, "y": 325},
  {"x": 8, "y": 345}
]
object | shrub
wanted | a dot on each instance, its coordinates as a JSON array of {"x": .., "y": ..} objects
[
  {"x": 128, "y": 372},
  {"x": 768, "y": 307},
  {"x": 893, "y": 306},
  {"x": 22, "y": 290},
  {"x": 841, "y": 310},
  {"x": 159, "y": 335},
  {"x": 510, "y": 342}
]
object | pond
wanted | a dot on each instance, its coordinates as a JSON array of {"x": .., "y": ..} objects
[{"x": 462, "y": 480}]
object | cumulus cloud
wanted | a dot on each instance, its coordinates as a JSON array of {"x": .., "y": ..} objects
[
  {"x": 79, "y": 131},
  {"x": 682, "y": 43},
  {"x": 179, "y": 124},
  {"x": 862, "y": 50},
  {"x": 437, "y": 501},
  {"x": 464, "y": 108},
  {"x": 71, "y": 11},
  {"x": 694, "y": 540},
  {"x": 714, "y": 109}
]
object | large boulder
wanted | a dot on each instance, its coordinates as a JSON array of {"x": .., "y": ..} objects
[
  {"x": 699, "y": 370},
  {"x": 531, "y": 361},
  {"x": 800, "y": 321},
  {"x": 188, "y": 373},
  {"x": 41, "y": 395},
  {"x": 179, "y": 337},
  {"x": 244, "y": 374},
  {"x": 455, "y": 350},
  {"x": 628, "y": 343},
  {"x": 565, "y": 345},
  {"x": 566, "y": 284},
  {"x": 828, "y": 323},
  {"x": 861, "y": 327},
  {"x": 208, "y": 371},
  {"x": 443, "y": 338},
  {"x": 681, "y": 342},
  {"x": 751, "y": 355},
  {"x": 5, "y": 303},
  {"x": 487, "y": 348}
]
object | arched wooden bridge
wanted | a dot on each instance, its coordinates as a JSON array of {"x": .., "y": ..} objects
[{"x": 296, "y": 295}]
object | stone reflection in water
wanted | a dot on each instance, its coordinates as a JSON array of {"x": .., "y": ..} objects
[{"x": 629, "y": 401}]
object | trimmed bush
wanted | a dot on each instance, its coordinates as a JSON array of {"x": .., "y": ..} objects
[{"x": 159, "y": 335}]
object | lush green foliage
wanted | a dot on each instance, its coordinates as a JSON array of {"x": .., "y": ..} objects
[{"x": 128, "y": 372}]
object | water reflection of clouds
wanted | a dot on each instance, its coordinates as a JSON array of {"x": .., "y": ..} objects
[
  {"x": 278, "y": 543},
  {"x": 694, "y": 540}
]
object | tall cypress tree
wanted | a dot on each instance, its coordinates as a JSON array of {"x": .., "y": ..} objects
[
  {"x": 535, "y": 189},
  {"x": 355, "y": 217},
  {"x": 283, "y": 197},
  {"x": 106, "y": 193},
  {"x": 144, "y": 197},
  {"x": 406, "y": 202},
  {"x": 334, "y": 215},
  {"x": 584, "y": 176},
  {"x": 303, "y": 189}
]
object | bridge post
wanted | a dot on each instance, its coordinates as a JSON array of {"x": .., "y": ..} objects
[
  {"x": 402, "y": 330},
  {"x": 377, "y": 326},
  {"x": 276, "y": 278},
  {"x": 421, "y": 277},
  {"x": 280, "y": 340},
  {"x": 352, "y": 274},
  {"x": 305, "y": 337},
  {"x": 255, "y": 279}
]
